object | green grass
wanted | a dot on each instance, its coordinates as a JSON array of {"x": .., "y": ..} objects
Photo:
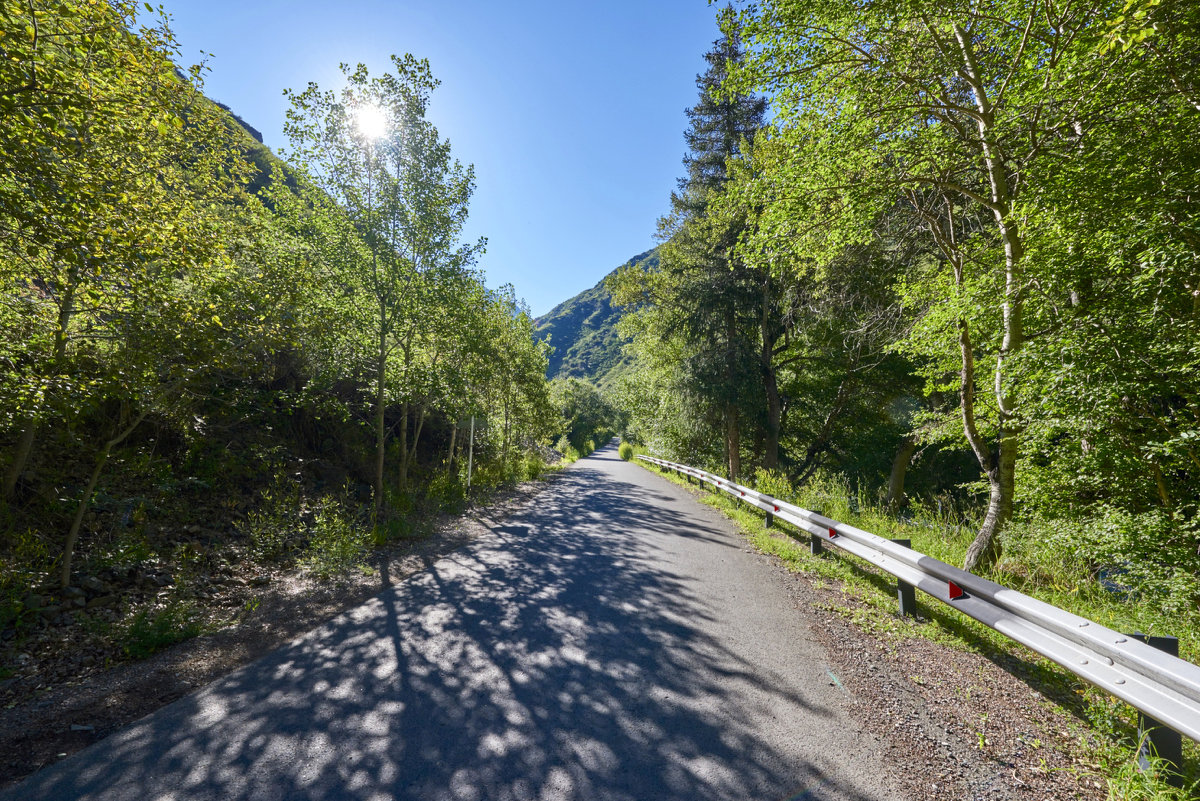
[{"x": 1082, "y": 706}]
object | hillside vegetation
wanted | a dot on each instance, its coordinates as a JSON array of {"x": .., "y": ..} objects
[
  {"x": 583, "y": 331},
  {"x": 216, "y": 363}
]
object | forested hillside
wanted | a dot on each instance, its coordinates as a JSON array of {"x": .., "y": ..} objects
[
  {"x": 955, "y": 267},
  {"x": 583, "y": 331},
  {"x": 214, "y": 360}
]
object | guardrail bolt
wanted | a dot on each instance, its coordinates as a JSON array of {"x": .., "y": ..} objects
[
  {"x": 906, "y": 594},
  {"x": 1153, "y": 736}
]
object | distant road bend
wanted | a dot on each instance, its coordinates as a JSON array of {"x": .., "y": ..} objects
[{"x": 615, "y": 640}]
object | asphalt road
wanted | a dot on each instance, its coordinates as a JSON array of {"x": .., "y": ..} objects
[{"x": 615, "y": 640}]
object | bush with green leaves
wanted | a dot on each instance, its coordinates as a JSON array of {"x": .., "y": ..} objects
[
  {"x": 625, "y": 451},
  {"x": 533, "y": 467},
  {"x": 25, "y": 563},
  {"x": 1147, "y": 557},
  {"x": 774, "y": 483},
  {"x": 275, "y": 527},
  {"x": 154, "y": 628},
  {"x": 446, "y": 493},
  {"x": 337, "y": 542}
]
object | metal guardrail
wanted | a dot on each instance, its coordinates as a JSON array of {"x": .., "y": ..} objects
[{"x": 1157, "y": 684}]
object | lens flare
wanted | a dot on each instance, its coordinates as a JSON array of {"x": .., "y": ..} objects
[{"x": 371, "y": 121}]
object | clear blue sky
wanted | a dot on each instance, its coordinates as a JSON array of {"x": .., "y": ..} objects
[{"x": 571, "y": 112}]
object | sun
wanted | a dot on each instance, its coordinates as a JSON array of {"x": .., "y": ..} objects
[{"x": 371, "y": 121}]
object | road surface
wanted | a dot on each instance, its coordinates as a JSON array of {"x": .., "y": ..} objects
[{"x": 615, "y": 640}]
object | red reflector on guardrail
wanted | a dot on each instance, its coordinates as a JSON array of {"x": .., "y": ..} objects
[
  {"x": 832, "y": 533},
  {"x": 956, "y": 591},
  {"x": 776, "y": 508}
]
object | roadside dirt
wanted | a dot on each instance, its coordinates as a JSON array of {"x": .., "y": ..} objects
[
  {"x": 62, "y": 702},
  {"x": 955, "y": 724}
]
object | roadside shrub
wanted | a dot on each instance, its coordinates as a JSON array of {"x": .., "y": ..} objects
[
  {"x": 337, "y": 543},
  {"x": 625, "y": 451},
  {"x": 1144, "y": 556},
  {"x": 774, "y": 483},
  {"x": 27, "y": 563},
  {"x": 533, "y": 467},
  {"x": 274, "y": 527},
  {"x": 446, "y": 493},
  {"x": 154, "y": 628}
]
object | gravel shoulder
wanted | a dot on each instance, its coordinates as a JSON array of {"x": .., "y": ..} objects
[{"x": 46, "y": 720}]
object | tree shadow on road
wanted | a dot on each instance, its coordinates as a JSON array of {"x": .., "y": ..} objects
[{"x": 558, "y": 659}]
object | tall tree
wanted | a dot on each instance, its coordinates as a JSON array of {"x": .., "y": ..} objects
[
  {"x": 371, "y": 149},
  {"x": 951, "y": 107},
  {"x": 702, "y": 292}
]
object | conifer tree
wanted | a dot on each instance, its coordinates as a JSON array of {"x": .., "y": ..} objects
[{"x": 708, "y": 297}]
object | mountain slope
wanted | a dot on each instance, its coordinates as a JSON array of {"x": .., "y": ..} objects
[{"x": 583, "y": 331}]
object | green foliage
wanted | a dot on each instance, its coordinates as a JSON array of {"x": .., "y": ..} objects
[
  {"x": 1145, "y": 558},
  {"x": 586, "y": 414},
  {"x": 446, "y": 493},
  {"x": 180, "y": 310},
  {"x": 153, "y": 628},
  {"x": 274, "y": 526},
  {"x": 532, "y": 467},
  {"x": 337, "y": 542},
  {"x": 26, "y": 562},
  {"x": 583, "y": 331},
  {"x": 774, "y": 483},
  {"x": 625, "y": 451}
]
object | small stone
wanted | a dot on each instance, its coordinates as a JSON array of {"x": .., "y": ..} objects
[
  {"x": 103, "y": 601},
  {"x": 78, "y": 727},
  {"x": 73, "y": 592},
  {"x": 92, "y": 584}
]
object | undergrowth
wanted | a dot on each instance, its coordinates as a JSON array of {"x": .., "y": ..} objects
[{"x": 1037, "y": 570}]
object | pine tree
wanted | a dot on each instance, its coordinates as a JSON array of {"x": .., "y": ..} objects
[{"x": 711, "y": 299}]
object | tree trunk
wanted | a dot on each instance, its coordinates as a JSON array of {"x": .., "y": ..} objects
[
  {"x": 450, "y": 452},
  {"x": 410, "y": 457},
  {"x": 895, "y": 495},
  {"x": 985, "y": 550},
  {"x": 19, "y": 460},
  {"x": 768, "y": 337},
  {"x": 86, "y": 500},
  {"x": 402, "y": 478},
  {"x": 380, "y": 399},
  {"x": 507, "y": 445},
  {"x": 733, "y": 442},
  {"x": 821, "y": 441},
  {"x": 24, "y": 447}
]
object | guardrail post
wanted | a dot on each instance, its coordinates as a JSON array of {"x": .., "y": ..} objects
[
  {"x": 1153, "y": 736},
  {"x": 770, "y": 519},
  {"x": 906, "y": 594},
  {"x": 814, "y": 541}
]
